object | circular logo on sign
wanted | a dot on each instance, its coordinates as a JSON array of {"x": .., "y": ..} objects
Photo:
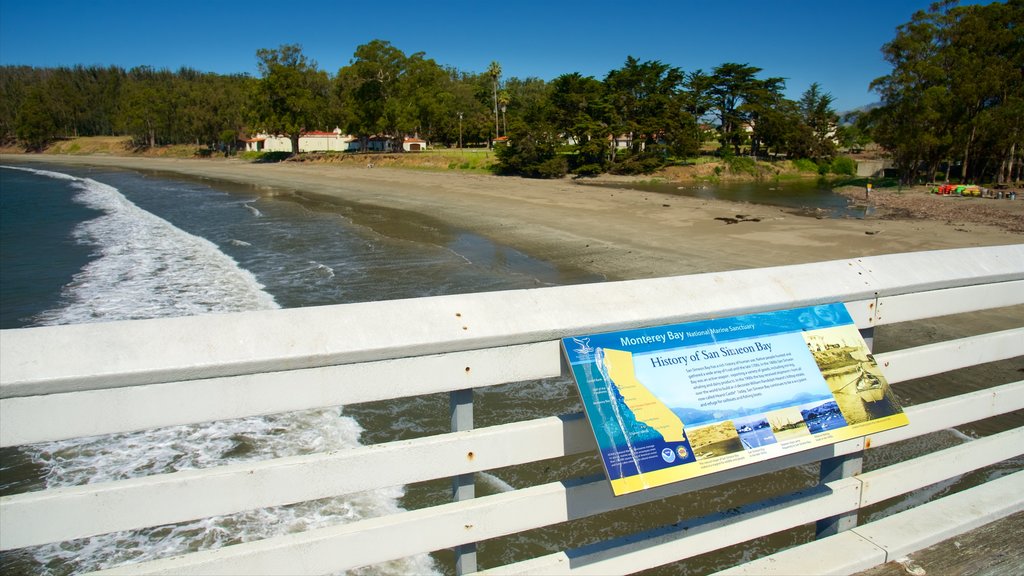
[
  {"x": 683, "y": 453},
  {"x": 668, "y": 455}
]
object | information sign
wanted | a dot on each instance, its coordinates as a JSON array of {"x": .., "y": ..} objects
[{"x": 675, "y": 402}]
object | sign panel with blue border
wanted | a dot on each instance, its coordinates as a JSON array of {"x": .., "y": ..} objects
[{"x": 670, "y": 403}]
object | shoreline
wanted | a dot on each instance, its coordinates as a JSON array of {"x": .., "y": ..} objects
[{"x": 615, "y": 233}]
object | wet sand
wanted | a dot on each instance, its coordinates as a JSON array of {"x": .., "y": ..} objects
[{"x": 620, "y": 234}]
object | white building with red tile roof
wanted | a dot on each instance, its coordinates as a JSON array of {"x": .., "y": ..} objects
[{"x": 312, "y": 141}]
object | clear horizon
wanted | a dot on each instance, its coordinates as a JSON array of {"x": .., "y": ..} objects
[{"x": 836, "y": 44}]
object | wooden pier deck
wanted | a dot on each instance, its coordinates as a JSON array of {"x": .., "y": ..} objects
[{"x": 994, "y": 549}]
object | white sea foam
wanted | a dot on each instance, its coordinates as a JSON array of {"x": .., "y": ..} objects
[
  {"x": 145, "y": 268},
  {"x": 54, "y": 175},
  {"x": 255, "y": 211},
  {"x": 148, "y": 268},
  {"x": 322, "y": 270},
  {"x": 495, "y": 483}
]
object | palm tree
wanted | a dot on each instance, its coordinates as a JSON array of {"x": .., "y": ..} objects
[
  {"x": 494, "y": 71},
  {"x": 503, "y": 101}
]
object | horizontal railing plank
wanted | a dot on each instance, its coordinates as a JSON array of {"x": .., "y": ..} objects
[
  {"x": 58, "y": 359},
  {"x": 950, "y": 412},
  {"x": 701, "y": 535},
  {"x": 931, "y": 468},
  {"x": 59, "y": 416},
  {"x": 929, "y": 304},
  {"x": 25, "y": 420},
  {"x": 929, "y": 359},
  {"x": 690, "y": 538},
  {"x": 894, "y": 536},
  {"x": 400, "y": 535},
  {"x": 82, "y": 511}
]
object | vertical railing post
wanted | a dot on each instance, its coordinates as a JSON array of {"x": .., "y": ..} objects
[
  {"x": 842, "y": 467},
  {"x": 463, "y": 486}
]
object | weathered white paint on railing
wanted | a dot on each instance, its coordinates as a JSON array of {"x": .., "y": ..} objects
[
  {"x": 894, "y": 536},
  {"x": 81, "y": 511},
  {"x": 930, "y": 523},
  {"x": 135, "y": 375},
  {"x": 60, "y": 359},
  {"x": 907, "y": 307},
  {"x": 53, "y": 417},
  {"x": 694, "y": 537},
  {"x": 951, "y": 355},
  {"x": 492, "y": 516},
  {"x": 889, "y": 482}
]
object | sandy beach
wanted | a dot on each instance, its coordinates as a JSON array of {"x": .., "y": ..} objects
[{"x": 621, "y": 234}]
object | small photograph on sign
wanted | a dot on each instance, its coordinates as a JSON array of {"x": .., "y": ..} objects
[
  {"x": 755, "y": 431},
  {"x": 715, "y": 440},
  {"x": 673, "y": 402},
  {"x": 787, "y": 424}
]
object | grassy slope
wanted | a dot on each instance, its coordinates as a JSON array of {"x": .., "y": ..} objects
[{"x": 476, "y": 160}]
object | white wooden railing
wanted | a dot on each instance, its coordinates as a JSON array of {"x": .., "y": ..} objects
[{"x": 83, "y": 380}]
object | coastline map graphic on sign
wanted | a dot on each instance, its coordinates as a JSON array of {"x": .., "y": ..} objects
[{"x": 670, "y": 403}]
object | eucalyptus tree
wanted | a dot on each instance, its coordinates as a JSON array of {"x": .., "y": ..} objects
[
  {"x": 15, "y": 82},
  {"x": 292, "y": 95},
  {"x": 34, "y": 126},
  {"x": 147, "y": 106},
  {"x": 427, "y": 96},
  {"x": 983, "y": 48},
  {"x": 384, "y": 92},
  {"x": 466, "y": 114},
  {"x": 955, "y": 70}
]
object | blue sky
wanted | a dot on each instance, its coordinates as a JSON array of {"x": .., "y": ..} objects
[{"x": 834, "y": 43}]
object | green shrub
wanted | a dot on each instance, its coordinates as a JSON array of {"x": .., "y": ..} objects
[
  {"x": 266, "y": 157},
  {"x": 805, "y": 165},
  {"x": 638, "y": 164},
  {"x": 844, "y": 165},
  {"x": 588, "y": 170},
  {"x": 556, "y": 167},
  {"x": 741, "y": 165},
  {"x": 532, "y": 155}
]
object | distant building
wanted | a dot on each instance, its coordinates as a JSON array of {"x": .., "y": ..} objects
[
  {"x": 414, "y": 144},
  {"x": 379, "y": 144},
  {"x": 313, "y": 141}
]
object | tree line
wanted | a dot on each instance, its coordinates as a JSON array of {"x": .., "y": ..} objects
[
  {"x": 953, "y": 103},
  {"x": 155, "y": 107},
  {"x": 657, "y": 110}
]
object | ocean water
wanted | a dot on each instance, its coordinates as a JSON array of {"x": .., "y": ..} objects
[
  {"x": 93, "y": 245},
  {"x": 83, "y": 245}
]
